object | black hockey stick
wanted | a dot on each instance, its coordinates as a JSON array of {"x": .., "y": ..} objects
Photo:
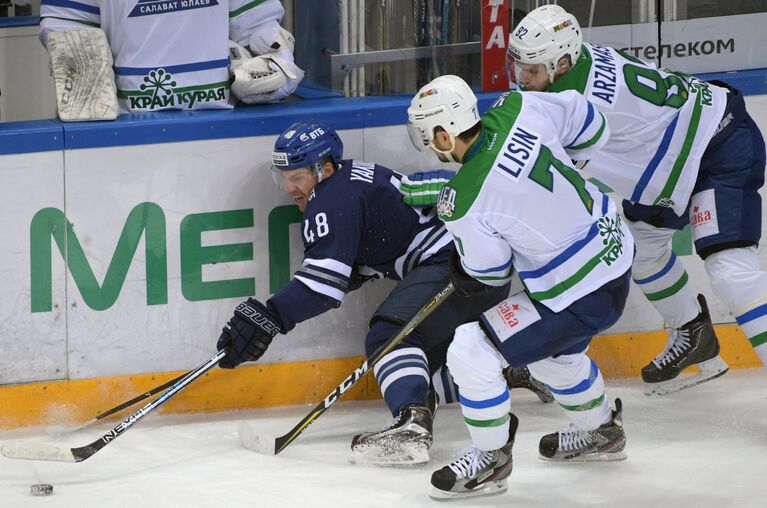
[
  {"x": 117, "y": 409},
  {"x": 41, "y": 451},
  {"x": 272, "y": 446}
]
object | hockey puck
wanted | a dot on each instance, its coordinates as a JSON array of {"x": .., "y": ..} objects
[{"x": 41, "y": 489}]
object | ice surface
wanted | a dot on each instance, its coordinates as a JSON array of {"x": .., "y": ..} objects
[{"x": 706, "y": 446}]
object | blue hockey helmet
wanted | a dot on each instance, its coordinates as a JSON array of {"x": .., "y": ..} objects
[{"x": 307, "y": 144}]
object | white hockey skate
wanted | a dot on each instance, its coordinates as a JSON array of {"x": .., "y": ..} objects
[
  {"x": 476, "y": 472},
  {"x": 608, "y": 442}
]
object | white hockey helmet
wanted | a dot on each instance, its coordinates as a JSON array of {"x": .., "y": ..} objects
[
  {"x": 447, "y": 102},
  {"x": 543, "y": 37}
]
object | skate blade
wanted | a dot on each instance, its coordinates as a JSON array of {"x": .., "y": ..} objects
[
  {"x": 488, "y": 489},
  {"x": 414, "y": 455},
  {"x": 591, "y": 457},
  {"x": 710, "y": 369}
]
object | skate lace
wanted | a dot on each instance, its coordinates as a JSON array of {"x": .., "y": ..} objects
[
  {"x": 473, "y": 460},
  {"x": 678, "y": 343},
  {"x": 573, "y": 438}
]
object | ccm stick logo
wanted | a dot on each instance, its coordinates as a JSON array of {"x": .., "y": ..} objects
[
  {"x": 347, "y": 383},
  {"x": 362, "y": 369}
]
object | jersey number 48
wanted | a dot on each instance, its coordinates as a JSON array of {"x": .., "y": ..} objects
[{"x": 321, "y": 226}]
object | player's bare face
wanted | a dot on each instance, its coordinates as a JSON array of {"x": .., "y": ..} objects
[
  {"x": 299, "y": 184},
  {"x": 533, "y": 77}
]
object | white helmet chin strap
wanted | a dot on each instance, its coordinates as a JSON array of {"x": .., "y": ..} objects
[{"x": 447, "y": 153}]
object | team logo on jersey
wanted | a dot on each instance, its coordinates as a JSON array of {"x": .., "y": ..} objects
[
  {"x": 151, "y": 7},
  {"x": 446, "y": 201},
  {"x": 612, "y": 237},
  {"x": 158, "y": 91}
]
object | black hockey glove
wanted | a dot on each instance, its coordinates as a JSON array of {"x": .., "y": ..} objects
[
  {"x": 248, "y": 333},
  {"x": 465, "y": 285}
]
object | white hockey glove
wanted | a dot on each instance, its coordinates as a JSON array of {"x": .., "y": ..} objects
[
  {"x": 271, "y": 75},
  {"x": 81, "y": 64}
]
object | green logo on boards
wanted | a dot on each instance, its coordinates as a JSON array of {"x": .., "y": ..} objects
[
  {"x": 147, "y": 220},
  {"x": 159, "y": 90}
]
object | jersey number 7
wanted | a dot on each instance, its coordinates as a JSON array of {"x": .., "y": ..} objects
[{"x": 542, "y": 175}]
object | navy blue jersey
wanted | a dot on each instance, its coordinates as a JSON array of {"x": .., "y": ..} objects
[{"x": 355, "y": 223}]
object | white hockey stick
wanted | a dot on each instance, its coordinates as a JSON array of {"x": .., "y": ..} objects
[{"x": 31, "y": 450}]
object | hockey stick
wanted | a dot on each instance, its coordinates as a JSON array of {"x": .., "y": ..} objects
[
  {"x": 270, "y": 445},
  {"x": 41, "y": 451},
  {"x": 116, "y": 409}
]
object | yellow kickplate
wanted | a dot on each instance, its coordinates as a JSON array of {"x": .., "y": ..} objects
[{"x": 283, "y": 384}]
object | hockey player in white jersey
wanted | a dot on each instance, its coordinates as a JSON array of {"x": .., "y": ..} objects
[
  {"x": 682, "y": 151},
  {"x": 516, "y": 204},
  {"x": 356, "y": 227},
  {"x": 176, "y": 54}
]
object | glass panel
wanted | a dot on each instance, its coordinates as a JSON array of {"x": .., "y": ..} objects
[
  {"x": 372, "y": 47},
  {"x": 10, "y": 8},
  {"x": 699, "y": 36}
]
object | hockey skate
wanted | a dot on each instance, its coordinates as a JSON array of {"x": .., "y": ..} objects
[
  {"x": 404, "y": 442},
  {"x": 695, "y": 343},
  {"x": 519, "y": 377},
  {"x": 476, "y": 473},
  {"x": 608, "y": 442}
]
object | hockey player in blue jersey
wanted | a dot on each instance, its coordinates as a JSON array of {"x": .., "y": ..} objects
[{"x": 355, "y": 227}]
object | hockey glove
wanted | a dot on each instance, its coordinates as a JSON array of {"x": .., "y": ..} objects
[
  {"x": 270, "y": 75},
  {"x": 247, "y": 335},
  {"x": 465, "y": 285},
  {"x": 422, "y": 188}
]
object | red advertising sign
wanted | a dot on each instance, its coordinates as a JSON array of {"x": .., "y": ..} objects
[{"x": 495, "y": 36}]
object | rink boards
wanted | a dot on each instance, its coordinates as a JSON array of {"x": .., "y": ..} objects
[{"x": 125, "y": 246}]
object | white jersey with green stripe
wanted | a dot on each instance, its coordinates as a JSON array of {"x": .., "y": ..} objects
[
  {"x": 517, "y": 203},
  {"x": 661, "y": 122},
  {"x": 168, "y": 54}
]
